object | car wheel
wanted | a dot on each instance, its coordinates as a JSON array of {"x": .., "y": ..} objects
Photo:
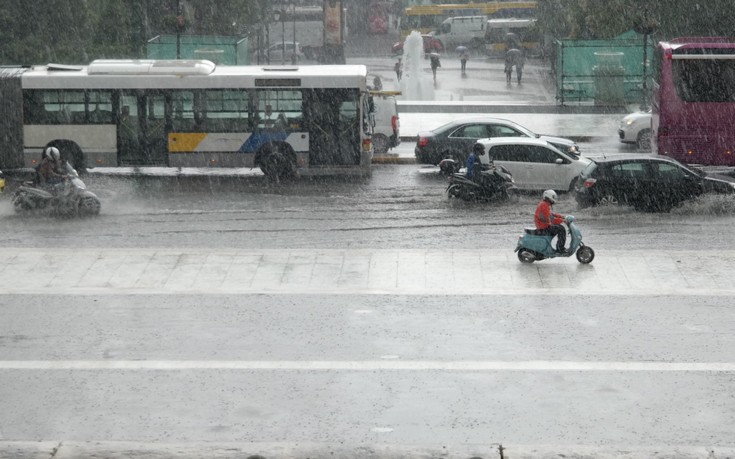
[
  {"x": 644, "y": 140},
  {"x": 608, "y": 200},
  {"x": 380, "y": 144}
]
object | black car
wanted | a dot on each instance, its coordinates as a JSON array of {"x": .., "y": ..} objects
[
  {"x": 646, "y": 182},
  {"x": 455, "y": 139}
]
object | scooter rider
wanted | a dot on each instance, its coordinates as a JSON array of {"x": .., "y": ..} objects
[
  {"x": 473, "y": 160},
  {"x": 49, "y": 172},
  {"x": 550, "y": 223}
]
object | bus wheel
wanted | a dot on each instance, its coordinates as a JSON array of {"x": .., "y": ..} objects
[
  {"x": 380, "y": 144},
  {"x": 278, "y": 163},
  {"x": 71, "y": 152}
]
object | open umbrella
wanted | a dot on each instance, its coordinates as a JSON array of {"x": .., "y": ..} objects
[
  {"x": 461, "y": 49},
  {"x": 512, "y": 40}
]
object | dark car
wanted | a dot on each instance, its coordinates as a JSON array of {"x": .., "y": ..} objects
[
  {"x": 646, "y": 182},
  {"x": 455, "y": 139},
  {"x": 431, "y": 45}
]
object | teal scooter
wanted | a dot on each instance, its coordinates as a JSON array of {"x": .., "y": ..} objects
[{"x": 535, "y": 247}]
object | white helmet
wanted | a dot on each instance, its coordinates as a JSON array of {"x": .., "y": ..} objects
[
  {"x": 53, "y": 153},
  {"x": 550, "y": 195}
]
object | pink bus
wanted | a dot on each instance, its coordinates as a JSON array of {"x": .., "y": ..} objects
[{"x": 694, "y": 100}]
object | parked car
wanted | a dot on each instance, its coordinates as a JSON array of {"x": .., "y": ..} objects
[
  {"x": 534, "y": 163},
  {"x": 2, "y": 182},
  {"x": 455, "y": 139},
  {"x": 277, "y": 56},
  {"x": 636, "y": 128},
  {"x": 647, "y": 182},
  {"x": 431, "y": 45}
]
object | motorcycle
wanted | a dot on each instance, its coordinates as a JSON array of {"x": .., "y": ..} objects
[
  {"x": 489, "y": 182},
  {"x": 67, "y": 199},
  {"x": 533, "y": 246}
]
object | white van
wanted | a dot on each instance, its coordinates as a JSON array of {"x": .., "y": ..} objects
[
  {"x": 386, "y": 132},
  {"x": 462, "y": 30}
]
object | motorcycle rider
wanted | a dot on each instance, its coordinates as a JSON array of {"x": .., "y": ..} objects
[
  {"x": 50, "y": 173},
  {"x": 473, "y": 161},
  {"x": 549, "y": 223}
]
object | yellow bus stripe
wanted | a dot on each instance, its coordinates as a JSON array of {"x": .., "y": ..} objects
[{"x": 180, "y": 142}]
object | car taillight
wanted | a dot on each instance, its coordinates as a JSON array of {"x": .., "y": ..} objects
[
  {"x": 395, "y": 123},
  {"x": 590, "y": 182},
  {"x": 422, "y": 142}
]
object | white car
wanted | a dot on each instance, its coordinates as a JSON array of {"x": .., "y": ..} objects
[
  {"x": 281, "y": 53},
  {"x": 636, "y": 128},
  {"x": 534, "y": 163}
]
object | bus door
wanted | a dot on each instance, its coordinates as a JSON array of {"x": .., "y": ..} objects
[
  {"x": 333, "y": 123},
  {"x": 143, "y": 128}
]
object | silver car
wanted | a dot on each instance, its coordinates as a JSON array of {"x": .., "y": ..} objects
[{"x": 534, "y": 163}]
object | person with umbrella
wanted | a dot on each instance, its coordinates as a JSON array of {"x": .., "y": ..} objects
[
  {"x": 513, "y": 57},
  {"x": 464, "y": 56},
  {"x": 434, "y": 57}
]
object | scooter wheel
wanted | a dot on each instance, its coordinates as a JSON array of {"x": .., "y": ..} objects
[
  {"x": 585, "y": 255},
  {"x": 89, "y": 206},
  {"x": 526, "y": 256},
  {"x": 21, "y": 205}
]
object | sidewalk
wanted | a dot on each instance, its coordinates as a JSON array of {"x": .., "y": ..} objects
[{"x": 362, "y": 271}]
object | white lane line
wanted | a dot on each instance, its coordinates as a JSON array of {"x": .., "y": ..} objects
[
  {"x": 368, "y": 365},
  {"x": 588, "y": 291}
]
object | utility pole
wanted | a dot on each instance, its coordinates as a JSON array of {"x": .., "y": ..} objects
[{"x": 180, "y": 22}]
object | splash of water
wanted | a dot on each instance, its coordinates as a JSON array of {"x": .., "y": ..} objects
[{"x": 415, "y": 85}]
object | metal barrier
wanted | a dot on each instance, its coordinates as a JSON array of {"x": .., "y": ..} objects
[{"x": 608, "y": 72}]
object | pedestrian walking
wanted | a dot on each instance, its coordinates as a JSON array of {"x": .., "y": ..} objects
[
  {"x": 434, "y": 57},
  {"x": 463, "y": 58},
  {"x": 513, "y": 58},
  {"x": 399, "y": 69}
]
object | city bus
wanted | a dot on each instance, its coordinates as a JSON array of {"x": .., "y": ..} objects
[
  {"x": 523, "y": 32},
  {"x": 693, "y": 103},
  {"x": 428, "y": 18},
  {"x": 189, "y": 113}
]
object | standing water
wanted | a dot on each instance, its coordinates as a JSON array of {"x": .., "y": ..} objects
[{"x": 415, "y": 85}]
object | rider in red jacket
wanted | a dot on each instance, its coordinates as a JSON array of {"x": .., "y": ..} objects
[{"x": 548, "y": 222}]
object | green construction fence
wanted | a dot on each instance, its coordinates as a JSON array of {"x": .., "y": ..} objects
[
  {"x": 222, "y": 50},
  {"x": 608, "y": 72}
]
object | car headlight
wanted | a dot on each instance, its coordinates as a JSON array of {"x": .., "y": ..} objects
[{"x": 629, "y": 122}]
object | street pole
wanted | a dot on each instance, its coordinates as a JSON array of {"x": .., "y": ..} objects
[
  {"x": 178, "y": 29},
  {"x": 644, "y": 86},
  {"x": 283, "y": 39},
  {"x": 293, "y": 20}
]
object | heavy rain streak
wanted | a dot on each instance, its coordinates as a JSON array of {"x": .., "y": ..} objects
[{"x": 379, "y": 228}]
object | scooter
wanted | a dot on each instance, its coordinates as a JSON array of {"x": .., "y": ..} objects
[
  {"x": 67, "y": 199},
  {"x": 490, "y": 182},
  {"x": 536, "y": 247}
]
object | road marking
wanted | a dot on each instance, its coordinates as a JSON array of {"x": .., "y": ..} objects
[{"x": 368, "y": 365}]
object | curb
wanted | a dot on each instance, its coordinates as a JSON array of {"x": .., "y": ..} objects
[{"x": 392, "y": 158}]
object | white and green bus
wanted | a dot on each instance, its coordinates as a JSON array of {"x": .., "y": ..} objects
[{"x": 312, "y": 119}]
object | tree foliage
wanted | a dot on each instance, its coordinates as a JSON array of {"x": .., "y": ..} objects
[
  {"x": 78, "y": 31},
  {"x": 599, "y": 19}
]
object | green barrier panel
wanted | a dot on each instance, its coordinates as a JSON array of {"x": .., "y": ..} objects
[
  {"x": 222, "y": 50},
  {"x": 609, "y": 72}
]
